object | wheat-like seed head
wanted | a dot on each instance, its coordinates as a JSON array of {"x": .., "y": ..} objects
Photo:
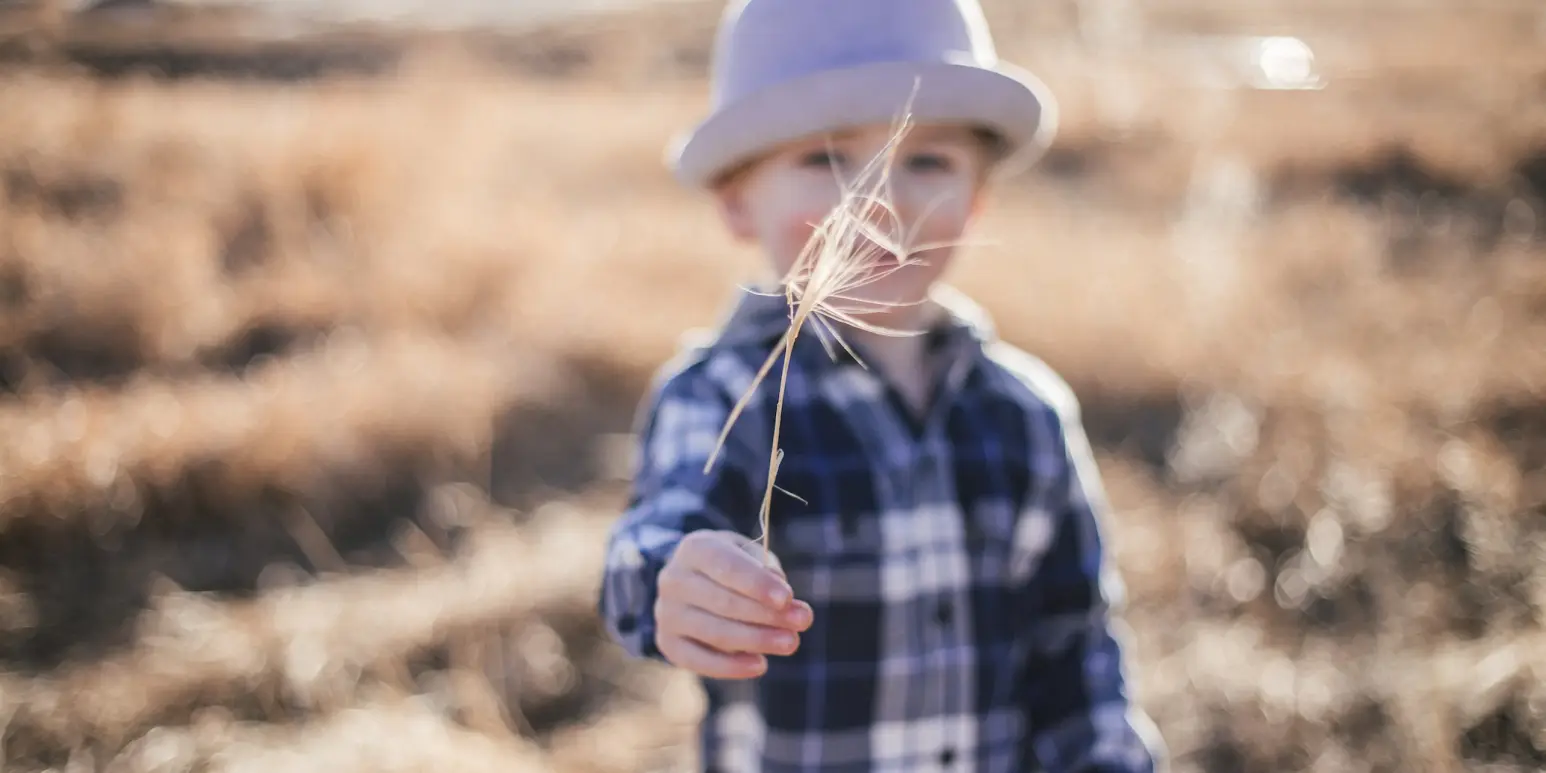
[{"x": 842, "y": 256}]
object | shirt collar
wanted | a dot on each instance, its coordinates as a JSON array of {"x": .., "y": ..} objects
[{"x": 760, "y": 318}]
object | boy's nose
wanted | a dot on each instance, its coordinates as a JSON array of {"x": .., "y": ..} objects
[{"x": 887, "y": 224}]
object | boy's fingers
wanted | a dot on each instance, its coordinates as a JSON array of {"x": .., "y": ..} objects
[
  {"x": 735, "y": 568},
  {"x": 766, "y": 558},
  {"x": 698, "y": 590},
  {"x": 732, "y": 636},
  {"x": 705, "y": 661}
]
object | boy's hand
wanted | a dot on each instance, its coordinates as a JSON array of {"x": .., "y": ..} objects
[{"x": 719, "y": 609}]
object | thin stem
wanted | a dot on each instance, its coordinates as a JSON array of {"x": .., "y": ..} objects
[
  {"x": 834, "y": 263},
  {"x": 740, "y": 405},
  {"x": 775, "y": 455}
]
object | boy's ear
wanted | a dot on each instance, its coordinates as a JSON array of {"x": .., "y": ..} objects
[{"x": 979, "y": 200}]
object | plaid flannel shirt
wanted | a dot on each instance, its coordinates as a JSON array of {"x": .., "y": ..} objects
[{"x": 953, "y": 561}]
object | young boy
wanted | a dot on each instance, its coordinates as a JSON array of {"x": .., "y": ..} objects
[{"x": 939, "y": 598}]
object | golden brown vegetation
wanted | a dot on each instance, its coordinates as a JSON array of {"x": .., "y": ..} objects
[{"x": 311, "y": 392}]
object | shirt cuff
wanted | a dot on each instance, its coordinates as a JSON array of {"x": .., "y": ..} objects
[{"x": 631, "y": 586}]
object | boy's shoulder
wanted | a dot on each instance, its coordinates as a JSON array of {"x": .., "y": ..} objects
[
  {"x": 1022, "y": 376},
  {"x": 701, "y": 369},
  {"x": 1032, "y": 380},
  {"x": 723, "y": 358}
]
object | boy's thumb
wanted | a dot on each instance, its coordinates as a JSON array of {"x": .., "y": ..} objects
[{"x": 767, "y": 557}]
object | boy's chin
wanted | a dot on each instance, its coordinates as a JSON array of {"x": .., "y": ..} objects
[{"x": 898, "y": 310}]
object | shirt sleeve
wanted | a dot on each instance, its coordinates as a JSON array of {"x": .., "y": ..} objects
[
  {"x": 1079, "y": 712},
  {"x": 673, "y": 496}
]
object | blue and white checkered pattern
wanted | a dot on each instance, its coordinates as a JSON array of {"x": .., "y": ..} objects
[{"x": 954, "y": 561}]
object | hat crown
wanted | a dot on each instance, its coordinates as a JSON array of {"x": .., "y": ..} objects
[{"x": 762, "y": 43}]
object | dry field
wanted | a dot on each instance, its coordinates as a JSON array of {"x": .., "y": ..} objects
[{"x": 316, "y": 369}]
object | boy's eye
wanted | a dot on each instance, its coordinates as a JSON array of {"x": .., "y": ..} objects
[
  {"x": 928, "y": 162},
  {"x": 821, "y": 158}
]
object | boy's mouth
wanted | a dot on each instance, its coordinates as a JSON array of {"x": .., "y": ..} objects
[{"x": 877, "y": 256}]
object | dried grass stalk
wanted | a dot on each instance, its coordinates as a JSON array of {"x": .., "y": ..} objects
[
  {"x": 310, "y": 642},
  {"x": 861, "y": 241},
  {"x": 400, "y": 735}
]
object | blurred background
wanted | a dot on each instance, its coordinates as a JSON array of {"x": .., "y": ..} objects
[{"x": 323, "y": 325}]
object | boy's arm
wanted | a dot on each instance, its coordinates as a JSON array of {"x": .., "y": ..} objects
[
  {"x": 1080, "y": 713},
  {"x": 672, "y": 497}
]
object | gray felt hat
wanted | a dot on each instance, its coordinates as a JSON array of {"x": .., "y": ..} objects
[{"x": 788, "y": 69}]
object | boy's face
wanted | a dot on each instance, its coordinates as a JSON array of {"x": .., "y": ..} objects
[{"x": 935, "y": 188}]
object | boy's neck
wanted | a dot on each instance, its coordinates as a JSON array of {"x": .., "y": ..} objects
[{"x": 902, "y": 360}]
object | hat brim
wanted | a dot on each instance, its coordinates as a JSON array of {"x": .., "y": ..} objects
[{"x": 1006, "y": 100}]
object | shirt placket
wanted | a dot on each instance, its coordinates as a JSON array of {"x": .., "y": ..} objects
[
  {"x": 945, "y": 626},
  {"x": 916, "y": 473},
  {"x": 943, "y": 623}
]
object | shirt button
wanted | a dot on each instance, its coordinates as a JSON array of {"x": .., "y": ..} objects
[
  {"x": 627, "y": 623},
  {"x": 947, "y": 757},
  {"x": 944, "y": 612}
]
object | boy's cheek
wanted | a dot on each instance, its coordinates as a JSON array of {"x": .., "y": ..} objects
[
  {"x": 947, "y": 207},
  {"x": 796, "y": 233}
]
